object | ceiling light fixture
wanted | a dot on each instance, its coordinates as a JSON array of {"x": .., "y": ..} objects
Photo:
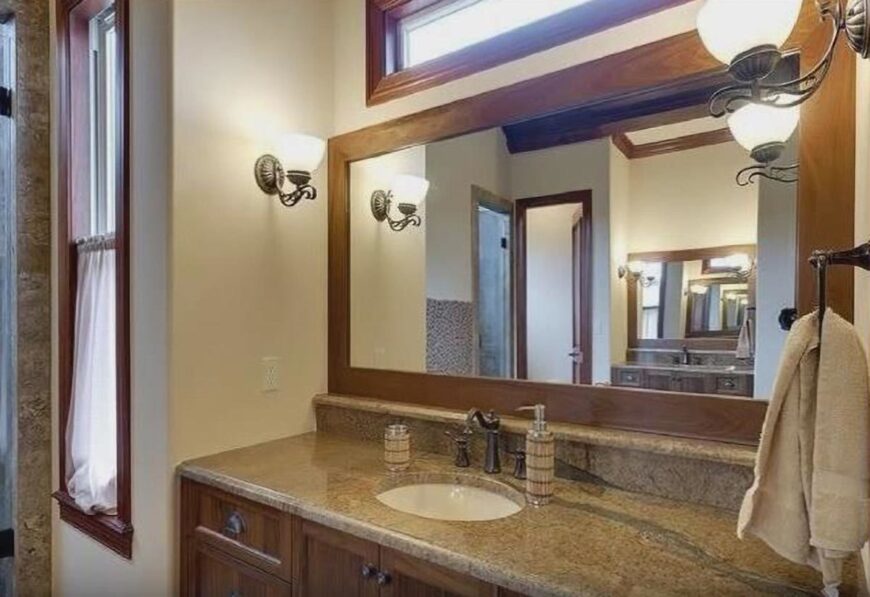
[{"x": 748, "y": 36}]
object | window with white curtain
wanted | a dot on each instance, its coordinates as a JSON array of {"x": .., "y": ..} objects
[{"x": 91, "y": 434}]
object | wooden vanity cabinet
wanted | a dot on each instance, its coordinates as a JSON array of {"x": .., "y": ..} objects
[{"x": 232, "y": 547}]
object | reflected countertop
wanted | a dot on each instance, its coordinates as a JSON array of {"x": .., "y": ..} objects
[
  {"x": 732, "y": 369},
  {"x": 592, "y": 540}
]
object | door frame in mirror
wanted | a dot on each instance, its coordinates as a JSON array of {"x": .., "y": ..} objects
[{"x": 662, "y": 72}]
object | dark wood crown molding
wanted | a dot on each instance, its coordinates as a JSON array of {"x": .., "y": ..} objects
[{"x": 684, "y": 143}]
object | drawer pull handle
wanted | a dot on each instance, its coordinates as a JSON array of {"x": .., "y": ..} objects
[
  {"x": 234, "y": 526},
  {"x": 384, "y": 578},
  {"x": 728, "y": 384},
  {"x": 369, "y": 570}
]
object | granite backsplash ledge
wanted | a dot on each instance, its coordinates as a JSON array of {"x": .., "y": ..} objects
[{"x": 695, "y": 471}]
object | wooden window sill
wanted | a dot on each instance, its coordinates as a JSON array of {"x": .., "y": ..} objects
[{"x": 106, "y": 529}]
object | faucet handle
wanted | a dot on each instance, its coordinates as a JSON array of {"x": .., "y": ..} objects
[{"x": 462, "y": 458}]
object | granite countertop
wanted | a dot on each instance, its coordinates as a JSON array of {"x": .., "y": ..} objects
[{"x": 592, "y": 540}]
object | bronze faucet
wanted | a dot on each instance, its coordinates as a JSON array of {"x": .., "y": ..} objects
[{"x": 490, "y": 424}]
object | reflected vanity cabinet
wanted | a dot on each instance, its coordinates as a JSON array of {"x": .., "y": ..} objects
[
  {"x": 233, "y": 547},
  {"x": 687, "y": 381}
]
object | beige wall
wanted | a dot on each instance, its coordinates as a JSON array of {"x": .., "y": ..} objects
[
  {"x": 248, "y": 275},
  {"x": 689, "y": 200},
  {"x": 83, "y": 568},
  {"x": 620, "y": 218},
  {"x": 387, "y": 270}
]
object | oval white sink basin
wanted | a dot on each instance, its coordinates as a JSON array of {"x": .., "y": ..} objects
[{"x": 453, "y": 500}]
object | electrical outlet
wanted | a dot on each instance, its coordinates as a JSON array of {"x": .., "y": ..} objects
[{"x": 270, "y": 381}]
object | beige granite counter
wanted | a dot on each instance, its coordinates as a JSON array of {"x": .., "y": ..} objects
[{"x": 592, "y": 540}]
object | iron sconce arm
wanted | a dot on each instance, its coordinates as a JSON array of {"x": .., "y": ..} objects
[{"x": 270, "y": 176}]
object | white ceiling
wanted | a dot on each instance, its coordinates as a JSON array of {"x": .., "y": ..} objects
[{"x": 678, "y": 129}]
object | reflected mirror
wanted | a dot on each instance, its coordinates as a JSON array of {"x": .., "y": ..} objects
[{"x": 547, "y": 250}]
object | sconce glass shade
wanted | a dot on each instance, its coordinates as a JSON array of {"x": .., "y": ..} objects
[
  {"x": 729, "y": 28},
  {"x": 758, "y": 125},
  {"x": 698, "y": 289},
  {"x": 301, "y": 153},
  {"x": 410, "y": 189},
  {"x": 635, "y": 267}
]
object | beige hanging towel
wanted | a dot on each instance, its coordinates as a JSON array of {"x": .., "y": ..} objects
[{"x": 809, "y": 500}]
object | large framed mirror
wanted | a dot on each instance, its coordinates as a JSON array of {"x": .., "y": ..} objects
[{"x": 580, "y": 240}]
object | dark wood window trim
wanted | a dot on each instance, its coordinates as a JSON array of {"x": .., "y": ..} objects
[
  {"x": 386, "y": 81},
  {"x": 115, "y": 532},
  {"x": 825, "y": 204},
  {"x": 581, "y": 198}
]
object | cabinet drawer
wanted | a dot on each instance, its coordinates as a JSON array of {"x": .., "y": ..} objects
[
  {"x": 256, "y": 534},
  {"x": 213, "y": 573},
  {"x": 731, "y": 384},
  {"x": 628, "y": 377}
]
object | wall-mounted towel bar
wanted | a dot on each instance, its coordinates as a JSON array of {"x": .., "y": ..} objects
[{"x": 856, "y": 257}]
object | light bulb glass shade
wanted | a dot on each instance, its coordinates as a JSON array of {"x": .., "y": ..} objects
[
  {"x": 698, "y": 289},
  {"x": 754, "y": 125},
  {"x": 410, "y": 189},
  {"x": 730, "y": 27},
  {"x": 302, "y": 153}
]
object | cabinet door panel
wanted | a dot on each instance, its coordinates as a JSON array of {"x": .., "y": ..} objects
[
  {"x": 329, "y": 562},
  {"x": 213, "y": 573},
  {"x": 410, "y": 577},
  {"x": 692, "y": 383},
  {"x": 658, "y": 380}
]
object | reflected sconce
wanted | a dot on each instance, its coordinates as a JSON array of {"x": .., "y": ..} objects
[
  {"x": 633, "y": 270},
  {"x": 699, "y": 289},
  {"x": 748, "y": 37},
  {"x": 410, "y": 191},
  {"x": 302, "y": 155},
  {"x": 740, "y": 264}
]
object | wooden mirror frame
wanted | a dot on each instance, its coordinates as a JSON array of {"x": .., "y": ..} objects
[{"x": 825, "y": 219}]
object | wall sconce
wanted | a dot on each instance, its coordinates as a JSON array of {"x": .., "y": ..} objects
[
  {"x": 410, "y": 191},
  {"x": 739, "y": 264},
  {"x": 633, "y": 270},
  {"x": 748, "y": 36},
  {"x": 302, "y": 156}
]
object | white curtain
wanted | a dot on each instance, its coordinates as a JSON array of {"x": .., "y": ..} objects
[{"x": 91, "y": 430}]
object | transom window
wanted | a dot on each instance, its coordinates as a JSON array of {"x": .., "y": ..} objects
[
  {"x": 412, "y": 45},
  {"x": 447, "y": 28}
]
